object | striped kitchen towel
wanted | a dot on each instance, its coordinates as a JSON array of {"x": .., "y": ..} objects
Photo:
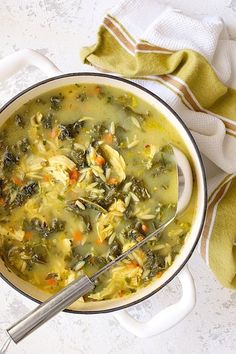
[{"x": 187, "y": 62}]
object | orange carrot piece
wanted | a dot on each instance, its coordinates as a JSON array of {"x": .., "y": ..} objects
[
  {"x": 47, "y": 178},
  {"x": 74, "y": 175},
  {"x": 98, "y": 241},
  {"x": 159, "y": 274},
  {"x": 100, "y": 160},
  {"x": 98, "y": 90},
  {"x": 2, "y": 202},
  {"x": 52, "y": 281},
  {"x": 144, "y": 228},
  {"x": 112, "y": 181},
  {"x": 77, "y": 236},
  {"x": 28, "y": 235},
  {"x": 53, "y": 133},
  {"x": 132, "y": 265},
  {"x": 121, "y": 293},
  {"x": 16, "y": 180},
  {"x": 108, "y": 138}
]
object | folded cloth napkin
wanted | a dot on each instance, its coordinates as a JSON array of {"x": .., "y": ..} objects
[{"x": 187, "y": 62}]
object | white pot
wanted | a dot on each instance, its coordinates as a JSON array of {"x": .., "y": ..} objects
[{"x": 174, "y": 313}]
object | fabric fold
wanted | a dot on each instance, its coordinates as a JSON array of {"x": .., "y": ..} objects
[{"x": 186, "y": 61}]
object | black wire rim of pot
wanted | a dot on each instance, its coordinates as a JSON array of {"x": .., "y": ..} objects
[{"x": 203, "y": 175}]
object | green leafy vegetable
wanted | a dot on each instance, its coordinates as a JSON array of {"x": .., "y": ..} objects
[
  {"x": 70, "y": 130},
  {"x": 19, "y": 120},
  {"x": 24, "y": 194},
  {"x": 56, "y": 102}
]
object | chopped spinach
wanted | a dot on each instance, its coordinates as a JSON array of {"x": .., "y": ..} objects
[
  {"x": 40, "y": 227},
  {"x": 1, "y": 187},
  {"x": 87, "y": 222},
  {"x": 121, "y": 133},
  {"x": 19, "y": 120},
  {"x": 115, "y": 249},
  {"x": 24, "y": 194},
  {"x": 132, "y": 231},
  {"x": 154, "y": 263},
  {"x": 45, "y": 230},
  {"x": 56, "y": 101},
  {"x": 14, "y": 253},
  {"x": 9, "y": 159},
  {"x": 51, "y": 276},
  {"x": 112, "y": 193},
  {"x": 22, "y": 146},
  {"x": 82, "y": 97},
  {"x": 79, "y": 158},
  {"x": 110, "y": 99},
  {"x": 47, "y": 121},
  {"x": 39, "y": 253},
  {"x": 139, "y": 189},
  {"x": 88, "y": 204},
  {"x": 68, "y": 131},
  {"x": 73, "y": 208},
  {"x": 97, "y": 132},
  {"x": 140, "y": 116},
  {"x": 57, "y": 225},
  {"x": 125, "y": 102},
  {"x": 162, "y": 161}
]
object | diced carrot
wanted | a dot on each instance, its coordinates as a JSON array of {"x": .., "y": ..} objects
[
  {"x": 74, "y": 175},
  {"x": 28, "y": 235},
  {"x": 53, "y": 133},
  {"x": 98, "y": 241},
  {"x": 16, "y": 180},
  {"x": 132, "y": 265},
  {"x": 121, "y": 293},
  {"x": 107, "y": 138},
  {"x": 47, "y": 178},
  {"x": 77, "y": 236},
  {"x": 112, "y": 181},
  {"x": 2, "y": 202},
  {"x": 100, "y": 160},
  {"x": 52, "y": 281},
  {"x": 97, "y": 90},
  {"x": 144, "y": 228},
  {"x": 159, "y": 274}
]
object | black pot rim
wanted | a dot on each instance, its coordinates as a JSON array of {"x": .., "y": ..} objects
[{"x": 112, "y": 77}]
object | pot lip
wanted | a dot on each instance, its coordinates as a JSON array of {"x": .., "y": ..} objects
[{"x": 203, "y": 175}]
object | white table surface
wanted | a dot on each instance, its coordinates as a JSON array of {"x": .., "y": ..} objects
[{"x": 58, "y": 28}]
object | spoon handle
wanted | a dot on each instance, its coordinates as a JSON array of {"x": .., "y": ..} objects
[{"x": 50, "y": 308}]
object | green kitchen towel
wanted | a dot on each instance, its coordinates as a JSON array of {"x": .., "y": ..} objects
[{"x": 187, "y": 62}]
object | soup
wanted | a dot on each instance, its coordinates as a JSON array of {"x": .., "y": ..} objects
[{"x": 88, "y": 171}]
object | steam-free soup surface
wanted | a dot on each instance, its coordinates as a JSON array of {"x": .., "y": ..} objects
[{"x": 86, "y": 172}]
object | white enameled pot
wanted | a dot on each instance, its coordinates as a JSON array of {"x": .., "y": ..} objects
[{"x": 173, "y": 314}]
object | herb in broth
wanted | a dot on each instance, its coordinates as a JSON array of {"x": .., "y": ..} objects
[
  {"x": 19, "y": 121},
  {"x": 90, "y": 174}
]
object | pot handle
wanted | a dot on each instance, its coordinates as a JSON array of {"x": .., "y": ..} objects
[
  {"x": 11, "y": 64},
  {"x": 166, "y": 318},
  {"x": 184, "y": 166}
]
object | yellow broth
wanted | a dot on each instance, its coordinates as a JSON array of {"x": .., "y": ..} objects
[{"x": 86, "y": 172}]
